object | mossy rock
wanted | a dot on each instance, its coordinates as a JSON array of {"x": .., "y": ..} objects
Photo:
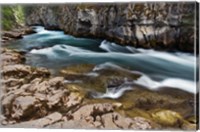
[
  {"x": 77, "y": 69},
  {"x": 105, "y": 77},
  {"x": 76, "y": 88},
  {"x": 127, "y": 105},
  {"x": 192, "y": 119},
  {"x": 167, "y": 117},
  {"x": 138, "y": 112},
  {"x": 188, "y": 126}
]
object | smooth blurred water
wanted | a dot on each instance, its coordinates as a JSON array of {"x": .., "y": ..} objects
[{"x": 55, "y": 50}]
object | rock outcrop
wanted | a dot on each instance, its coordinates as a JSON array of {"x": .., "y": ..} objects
[
  {"x": 30, "y": 95},
  {"x": 15, "y": 33},
  {"x": 91, "y": 116},
  {"x": 159, "y": 25}
]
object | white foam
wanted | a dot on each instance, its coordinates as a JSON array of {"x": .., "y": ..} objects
[
  {"x": 52, "y": 51},
  {"x": 38, "y": 28},
  {"x": 93, "y": 74},
  {"x": 114, "y": 93},
  {"x": 111, "y": 65},
  {"x": 46, "y": 51},
  {"x": 186, "y": 56},
  {"x": 76, "y": 81},
  {"x": 173, "y": 58},
  {"x": 42, "y": 30},
  {"x": 178, "y": 83},
  {"x": 132, "y": 49},
  {"x": 177, "y": 57},
  {"x": 106, "y": 65},
  {"x": 113, "y": 47}
]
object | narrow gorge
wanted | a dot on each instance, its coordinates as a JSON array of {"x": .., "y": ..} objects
[{"x": 100, "y": 66}]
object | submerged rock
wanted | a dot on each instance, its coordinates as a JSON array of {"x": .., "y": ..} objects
[
  {"x": 100, "y": 79},
  {"x": 115, "y": 82},
  {"x": 167, "y": 117}
]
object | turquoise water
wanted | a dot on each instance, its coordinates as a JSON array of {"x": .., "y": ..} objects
[{"x": 55, "y": 50}]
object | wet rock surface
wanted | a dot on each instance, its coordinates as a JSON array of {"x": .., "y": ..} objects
[{"x": 100, "y": 79}]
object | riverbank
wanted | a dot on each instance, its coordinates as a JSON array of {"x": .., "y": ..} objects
[
  {"x": 30, "y": 94},
  {"x": 15, "y": 34},
  {"x": 33, "y": 94}
]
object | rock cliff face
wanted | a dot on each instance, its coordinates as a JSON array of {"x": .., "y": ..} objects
[{"x": 158, "y": 25}]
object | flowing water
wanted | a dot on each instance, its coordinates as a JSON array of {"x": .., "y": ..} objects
[{"x": 55, "y": 50}]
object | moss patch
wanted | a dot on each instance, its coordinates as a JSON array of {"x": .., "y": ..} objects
[
  {"x": 100, "y": 82},
  {"x": 12, "y": 16}
]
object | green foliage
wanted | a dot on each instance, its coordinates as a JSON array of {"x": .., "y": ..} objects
[
  {"x": 19, "y": 14},
  {"x": 12, "y": 16}
]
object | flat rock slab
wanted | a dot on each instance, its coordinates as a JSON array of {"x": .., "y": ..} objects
[{"x": 39, "y": 123}]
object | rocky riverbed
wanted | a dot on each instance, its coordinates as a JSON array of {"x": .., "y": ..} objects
[{"x": 33, "y": 94}]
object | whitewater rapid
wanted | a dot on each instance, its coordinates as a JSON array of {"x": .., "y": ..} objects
[{"x": 157, "y": 68}]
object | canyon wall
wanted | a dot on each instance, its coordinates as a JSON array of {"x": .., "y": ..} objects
[{"x": 158, "y": 25}]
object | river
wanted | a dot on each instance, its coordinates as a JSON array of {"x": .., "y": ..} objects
[{"x": 56, "y": 50}]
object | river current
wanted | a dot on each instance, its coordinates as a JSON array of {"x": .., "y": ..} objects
[{"x": 56, "y": 50}]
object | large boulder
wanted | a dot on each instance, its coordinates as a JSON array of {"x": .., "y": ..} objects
[
  {"x": 23, "y": 71},
  {"x": 10, "y": 34},
  {"x": 10, "y": 57},
  {"x": 16, "y": 71},
  {"x": 167, "y": 117},
  {"x": 39, "y": 97},
  {"x": 23, "y": 106}
]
